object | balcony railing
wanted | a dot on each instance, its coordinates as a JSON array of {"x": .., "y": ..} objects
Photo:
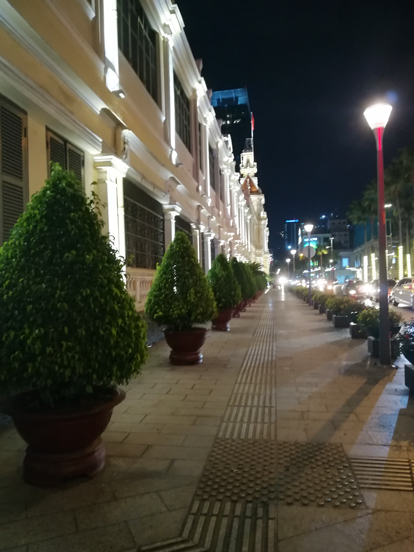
[{"x": 139, "y": 282}]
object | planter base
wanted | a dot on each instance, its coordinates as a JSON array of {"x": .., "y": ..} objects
[
  {"x": 340, "y": 321},
  {"x": 315, "y": 305},
  {"x": 222, "y": 322},
  {"x": 186, "y": 346},
  {"x": 356, "y": 331},
  {"x": 322, "y": 309},
  {"x": 329, "y": 314},
  {"x": 49, "y": 470},
  {"x": 185, "y": 359}
]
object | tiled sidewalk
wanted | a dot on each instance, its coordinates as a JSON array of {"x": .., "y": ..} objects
[
  {"x": 273, "y": 443},
  {"x": 157, "y": 445}
]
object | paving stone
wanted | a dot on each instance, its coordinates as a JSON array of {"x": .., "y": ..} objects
[
  {"x": 35, "y": 529},
  {"x": 122, "y": 509},
  {"x": 177, "y": 453},
  {"x": 111, "y": 538},
  {"x": 166, "y": 526}
]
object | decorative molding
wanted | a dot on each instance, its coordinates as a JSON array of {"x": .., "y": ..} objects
[
  {"x": 46, "y": 102},
  {"x": 88, "y": 7},
  {"x": 21, "y": 31},
  {"x": 110, "y": 163}
]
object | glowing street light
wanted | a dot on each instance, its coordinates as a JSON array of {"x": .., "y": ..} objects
[
  {"x": 288, "y": 261},
  {"x": 377, "y": 117},
  {"x": 308, "y": 229},
  {"x": 293, "y": 251}
]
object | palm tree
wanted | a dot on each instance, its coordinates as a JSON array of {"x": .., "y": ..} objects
[{"x": 321, "y": 250}]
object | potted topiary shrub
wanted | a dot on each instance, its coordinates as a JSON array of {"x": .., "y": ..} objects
[
  {"x": 369, "y": 319},
  {"x": 179, "y": 298},
  {"x": 322, "y": 301},
  {"x": 241, "y": 278},
  {"x": 226, "y": 292},
  {"x": 333, "y": 306},
  {"x": 69, "y": 332},
  {"x": 315, "y": 299},
  {"x": 252, "y": 289},
  {"x": 353, "y": 309}
]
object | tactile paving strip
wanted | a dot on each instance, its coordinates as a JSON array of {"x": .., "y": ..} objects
[
  {"x": 387, "y": 474},
  {"x": 317, "y": 474}
]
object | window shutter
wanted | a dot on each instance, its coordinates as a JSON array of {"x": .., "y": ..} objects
[
  {"x": 56, "y": 150},
  {"x": 13, "y": 173},
  {"x": 75, "y": 161}
]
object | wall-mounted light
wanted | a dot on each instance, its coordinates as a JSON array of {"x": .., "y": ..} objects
[{"x": 119, "y": 93}]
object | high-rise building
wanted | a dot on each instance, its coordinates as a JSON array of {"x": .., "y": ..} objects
[
  {"x": 291, "y": 233},
  {"x": 233, "y": 109}
]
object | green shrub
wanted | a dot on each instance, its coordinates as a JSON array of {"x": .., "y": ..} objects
[
  {"x": 324, "y": 297},
  {"x": 223, "y": 282},
  {"x": 317, "y": 296},
  {"x": 180, "y": 295},
  {"x": 370, "y": 319},
  {"x": 241, "y": 277},
  {"x": 261, "y": 281},
  {"x": 252, "y": 289},
  {"x": 353, "y": 308},
  {"x": 337, "y": 304},
  {"x": 68, "y": 326}
]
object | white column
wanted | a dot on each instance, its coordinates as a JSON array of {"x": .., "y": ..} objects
[
  {"x": 169, "y": 97},
  {"x": 170, "y": 212},
  {"x": 208, "y": 236},
  {"x": 110, "y": 26},
  {"x": 227, "y": 202},
  {"x": 196, "y": 240},
  {"x": 195, "y": 136},
  {"x": 206, "y": 158},
  {"x": 111, "y": 171}
]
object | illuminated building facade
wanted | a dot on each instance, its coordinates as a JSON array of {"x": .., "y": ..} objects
[{"x": 111, "y": 90}]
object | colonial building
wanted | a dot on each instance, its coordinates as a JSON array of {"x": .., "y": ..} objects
[{"x": 110, "y": 90}]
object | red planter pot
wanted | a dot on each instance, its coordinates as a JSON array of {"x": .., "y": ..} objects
[
  {"x": 237, "y": 310},
  {"x": 186, "y": 346},
  {"x": 66, "y": 443},
  {"x": 221, "y": 323}
]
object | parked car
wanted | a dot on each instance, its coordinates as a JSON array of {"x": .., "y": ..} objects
[
  {"x": 375, "y": 289},
  {"x": 402, "y": 293},
  {"x": 354, "y": 288}
]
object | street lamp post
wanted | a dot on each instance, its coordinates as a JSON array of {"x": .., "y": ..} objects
[
  {"x": 293, "y": 251},
  {"x": 308, "y": 229},
  {"x": 331, "y": 261},
  {"x": 377, "y": 117},
  {"x": 288, "y": 261}
]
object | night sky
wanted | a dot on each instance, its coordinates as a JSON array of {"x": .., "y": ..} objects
[{"x": 311, "y": 67}]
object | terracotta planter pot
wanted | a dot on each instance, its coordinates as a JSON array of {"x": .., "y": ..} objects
[
  {"x": 244, "y": 305},
  {"x": 63, "y": 444},
  {"x": 186, "y": 346},
  {"x": 221, "y": 323},
  {"x": 237, "y": 310}
]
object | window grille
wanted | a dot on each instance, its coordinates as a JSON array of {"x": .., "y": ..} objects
[
  {"x": 184, "y": 226},
  {"x": 222, "y": 177},
  {"x": 182, "y": 113},
  {"x": 13, "y": 167},
  {"x": 200, "y": 154},
  {"x": 144, "y": 235},
  {"x": 63, "y": 152},
  {"x": 213, "y": 249},
  {"x": 137, "y": 40}
]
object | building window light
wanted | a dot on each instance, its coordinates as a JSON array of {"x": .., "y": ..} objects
[{"x": 119, "y": 93}]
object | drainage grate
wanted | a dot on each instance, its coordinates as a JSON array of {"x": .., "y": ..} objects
[{"x": 389, "y": 474}]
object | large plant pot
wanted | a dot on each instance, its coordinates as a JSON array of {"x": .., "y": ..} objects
[
  {"x": 321, "y": 309},
  {"x": 237, "y": 310},
  {"x": 356, "y": 331},
  {"x": 315, "y": 305},
  {"x": 186, "y": 346},
  {"x": 340, "y": 320},
  {"x": 244, "y": 305},
  {"x": 63, "y": 444},
  {"x": 374, "y": 347},
  {"x": 329, "y": 314},
  {"x": 221, "y": 323}
]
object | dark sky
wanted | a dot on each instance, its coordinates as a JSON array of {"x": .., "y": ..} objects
[{"x": 311, "y": 67}]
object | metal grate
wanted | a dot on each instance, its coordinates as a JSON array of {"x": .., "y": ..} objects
[
  {"x": 11, "y": 126},
  {"x": 144, "y": 235},
  {"x": 13, "y": 206}
]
